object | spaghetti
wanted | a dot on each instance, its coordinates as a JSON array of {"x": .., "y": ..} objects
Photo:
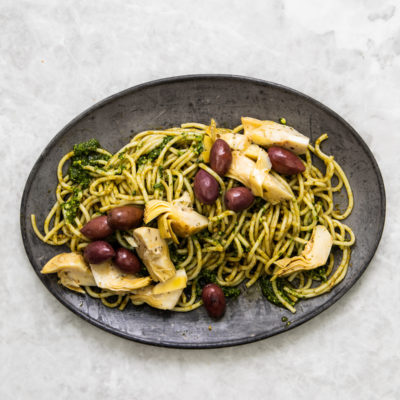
[{"x": 237, "y": 248}]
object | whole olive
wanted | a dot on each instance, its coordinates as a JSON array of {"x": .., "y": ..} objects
[
  {"x": 97, "y": 228},
  {"x": 206, "y": 187},
  {"x": 214, "y": 300},
  {"x": 284, "y": 161},
  {"x": 97, "y": 252},
  {"x": 238, "y": 198},
  {"x": 125, "y": 217},
  {"x": 127, "y": 261},
  {"x": 220, "y": 157}
]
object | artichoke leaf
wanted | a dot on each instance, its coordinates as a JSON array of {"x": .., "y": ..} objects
[
  {"x": 208, "y": 140},
  {"x": 236, "y": 141},
  {"x": 165, "y": 228},
  {"x": 154, "y": 208},
  {"x": 241, "y": 168},
  {"x": 178, "y": 281},
  {"x": 255, "y": 176},
  {"x": 178, "y": 219},
  {"x": 270, "y": 133},
  {"x": 163, "y": 301},
  {"x": 253, "y": 151},
  {"x": 314, "y": 255},
  {"x": 259, "y": 172},
  {"x": 131, "y": 241},
  {"x": 72, "y": 271},
  {"x": 109, "y": 276},
  {"x": 275, "y": 191},
  {"x": 153, "y": 251},
  {"x": 183, "y": 201},
  {"x": 185, "y": 220}
]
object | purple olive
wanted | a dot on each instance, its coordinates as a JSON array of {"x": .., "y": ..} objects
[
  {"x": 98, "y": 252},
  {"x": 97, "y": 228},
  {"x": 206, "y": 187},
  {"x": 214, "y": 300},
  {"x": 220, "y": 157},
  {"x": 238, "y": 198},
  {"x": 127, "y": 261},
  {"x": 125, "y": 217},
  {"x": 284, "y": 161}
]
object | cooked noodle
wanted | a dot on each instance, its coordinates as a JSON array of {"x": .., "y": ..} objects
[{"x": 241, "y": 247}]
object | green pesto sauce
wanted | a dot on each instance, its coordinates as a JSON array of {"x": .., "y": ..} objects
[
  {"x": 86, "y": 148},
  {"x": 319, "y": 273},
  {"x": 268, "y": 291},
  {"x": 175, "y": 257},
  {"x": 70, "y": 207},
  {"x": 198, "y": 145},
  {"x": 231, "y": 292},
  {"x": 85, "y": 154}
]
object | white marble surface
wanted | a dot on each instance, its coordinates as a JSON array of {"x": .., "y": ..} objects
[{"x": 59, "y": 57}]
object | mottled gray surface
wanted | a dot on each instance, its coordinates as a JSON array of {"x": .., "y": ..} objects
[
  {"x": 59, "y": 58},
  {"x": 168, "y": 103}
]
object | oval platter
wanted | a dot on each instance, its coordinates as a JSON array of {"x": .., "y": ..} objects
[{"x": 198, "y": 98}]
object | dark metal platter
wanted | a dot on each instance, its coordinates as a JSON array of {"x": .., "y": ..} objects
[{"x": 170, "y": 102}]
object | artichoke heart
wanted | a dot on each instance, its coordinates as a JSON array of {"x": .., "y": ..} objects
[
  {"x": 239, "y": 142},
  {"x": 178, "y": 281},
  {"x": 108, "y": 276},
  {"x": 208, "y": 140},
  {"x": 163, "y": 301},
  {"x": 164, "y": 295},
  {"x": 178, "y": 217},
  {"x": 255, "y": 176},
  {"x": 72, "y": 271},
  {"x": 236, "y": 142},
  {"x": 315, "y": 254},
  {"x": 270, "y": 133},
  {"x": 153, "y": 251}
]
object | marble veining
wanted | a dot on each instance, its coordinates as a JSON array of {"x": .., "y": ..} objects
[{"x": 58, "y": 58}]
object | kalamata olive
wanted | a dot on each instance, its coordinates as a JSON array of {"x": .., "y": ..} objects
[
  {"x": 97, "y": 252},
  {"x": 284, "y": 161},
  {"x": 220, "y": 157},
  {"x": 125, "y": 217},
  {"x": 214, "y": 300},
  {"x": 238, "y": 198},
  {"x": 206, "y": 187},
  {"x": 97, "y": 228},
  {"x": 127, "y": 261}
]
